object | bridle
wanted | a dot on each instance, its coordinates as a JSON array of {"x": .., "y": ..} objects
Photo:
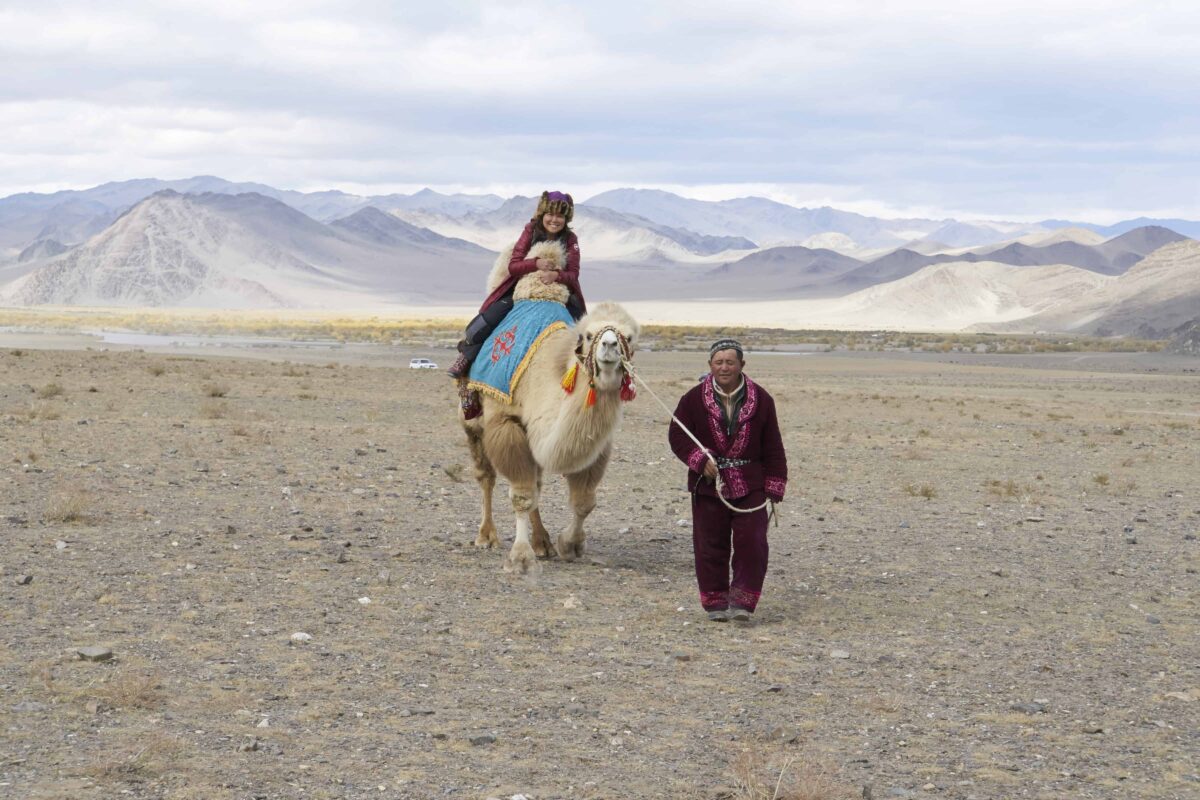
[{"x": 588, "y": 360}]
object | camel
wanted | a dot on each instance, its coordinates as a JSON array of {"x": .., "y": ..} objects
[{"x": 546, "y": 429}]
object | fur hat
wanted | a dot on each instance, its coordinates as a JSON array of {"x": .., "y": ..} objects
[
  {"x": 726, "y": 344},
  {"x": 555, "y": 201}
]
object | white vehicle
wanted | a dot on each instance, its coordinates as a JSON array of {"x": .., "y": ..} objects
[{"x": 421, "y": 363}]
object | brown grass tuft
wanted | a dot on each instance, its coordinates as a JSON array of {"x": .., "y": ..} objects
[
  {"x": 146, "y": 758},
  {"x": 215, "y": 390},
  {"x": 66, "y": 507},
  {"x": 758, "y": 776},
  {"x": 49, "y": 390},
  {"x": 925, "y": 490},
  {"x": 211, "y": 409}
]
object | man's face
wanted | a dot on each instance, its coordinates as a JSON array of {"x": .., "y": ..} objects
[{"x": 726, "y": 367}]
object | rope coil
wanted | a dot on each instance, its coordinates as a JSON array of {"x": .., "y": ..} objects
[{"x": 772, "y": 516}]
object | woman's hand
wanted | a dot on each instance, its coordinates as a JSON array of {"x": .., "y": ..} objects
[
  {"x": 546, "y": 264},
  {"x": 548, "y": 276},
  {"x": 710, "y": 471}
]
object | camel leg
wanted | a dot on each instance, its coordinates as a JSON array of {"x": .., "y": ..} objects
[
  {"x": 582, "y": 486},
  {"x": 542, "y": 546},
  {"x": 507, "y": 447},
  {"x": 485, "y": 476}
]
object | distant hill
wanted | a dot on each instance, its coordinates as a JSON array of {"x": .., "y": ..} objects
[
  {"x": 1153, "y": 298},
  {"x": 765, "y": 221},
  {"x": 245, "y": 251}
]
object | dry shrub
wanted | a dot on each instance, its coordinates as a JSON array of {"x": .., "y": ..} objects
[
  {"x": 211, "y": 409},
  {"x": 925, "y": 490},
  {"x": 156, "y": 369},
  {"x": 49, "y": 390},
  {"x": 151, "y": 755},
  {"x": 128, "y": 689},
  {"x": 1008, "y": 488},
  {"x": 778, "y": 776},
  {"x": 70, "y": 506},
  {"x": 44, "y": 411},
  {"x": 123, "y": 686},
  {"x": 215, "y": 390}
]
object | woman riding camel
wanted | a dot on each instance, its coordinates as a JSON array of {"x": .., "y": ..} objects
[{"x": 551, "y": 222}]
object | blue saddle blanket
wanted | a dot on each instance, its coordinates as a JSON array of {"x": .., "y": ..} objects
[{"x": 503, "y": 359}]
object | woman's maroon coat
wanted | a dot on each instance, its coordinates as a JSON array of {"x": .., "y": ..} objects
[{"x": 519, "y": 267}]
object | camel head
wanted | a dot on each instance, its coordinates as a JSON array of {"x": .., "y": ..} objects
[{"x": 607, "y": 338}]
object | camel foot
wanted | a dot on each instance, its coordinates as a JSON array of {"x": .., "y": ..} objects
[
  {"x": 521, "y": 559},
  {"x": 542, "y": 546},
  {"x": 569, "y": 547},
  {"x": 487, "y": 537}
]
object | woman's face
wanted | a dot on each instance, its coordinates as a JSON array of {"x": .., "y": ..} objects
[{"x": 553, "y": 222}]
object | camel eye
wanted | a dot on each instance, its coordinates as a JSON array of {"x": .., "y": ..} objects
[{"x": 589, "y": 336}]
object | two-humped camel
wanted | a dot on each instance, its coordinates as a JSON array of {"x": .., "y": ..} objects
[{"x": 547, "y": 429}]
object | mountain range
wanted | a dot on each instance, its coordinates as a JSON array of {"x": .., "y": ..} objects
[{"x": 208, "y": 242}]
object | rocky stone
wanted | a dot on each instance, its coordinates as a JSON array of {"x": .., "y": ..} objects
[
  {"x": 482, "y": 740},
  {"x": 94, "y": 653},
  {"x": 842, "y": 654},
  {"x": 1029, "y": 708},
  {"x": 28, "y": 706},
  {"x": 681, "y": 657},
  {"x": 249, "y": 747},
  {"x": 301, "y": 637},
  {"x": 23, "y": 580}
]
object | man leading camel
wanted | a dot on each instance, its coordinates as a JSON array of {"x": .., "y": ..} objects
[{"x": 735, "y": 420}]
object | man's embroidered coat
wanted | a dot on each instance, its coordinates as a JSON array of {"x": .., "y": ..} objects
[{"x": 756, "y": 439}]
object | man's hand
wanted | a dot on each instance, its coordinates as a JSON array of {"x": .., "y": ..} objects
[
  {"x": 548, "y": 276},
  {"x": 710, "y": 471}
]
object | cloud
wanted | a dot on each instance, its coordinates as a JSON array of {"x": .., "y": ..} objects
[{"x": 1002, "y": 110}]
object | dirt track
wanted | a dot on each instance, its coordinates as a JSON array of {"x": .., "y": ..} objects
[{"x": 1006, "y": 555}]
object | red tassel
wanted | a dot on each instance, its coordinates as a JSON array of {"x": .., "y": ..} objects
[
  {"x": 628, "y": 392},
  {"x": 591, "y": 396}
]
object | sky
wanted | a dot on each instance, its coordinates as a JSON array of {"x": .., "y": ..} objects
[{"x": 1015, "y": 110}]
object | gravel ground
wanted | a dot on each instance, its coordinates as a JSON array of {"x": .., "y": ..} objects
[{"x": 983, "y": 585}]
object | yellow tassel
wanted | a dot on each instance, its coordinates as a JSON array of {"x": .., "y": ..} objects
[
  {"x": 568, "y": 381},
  {"x": 591, "y": 398}
]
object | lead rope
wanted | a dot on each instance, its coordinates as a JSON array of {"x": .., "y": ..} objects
[{"x": 772, "y": 516}]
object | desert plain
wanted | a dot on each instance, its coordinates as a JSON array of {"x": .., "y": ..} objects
[{"x": 983, "y": 584}]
